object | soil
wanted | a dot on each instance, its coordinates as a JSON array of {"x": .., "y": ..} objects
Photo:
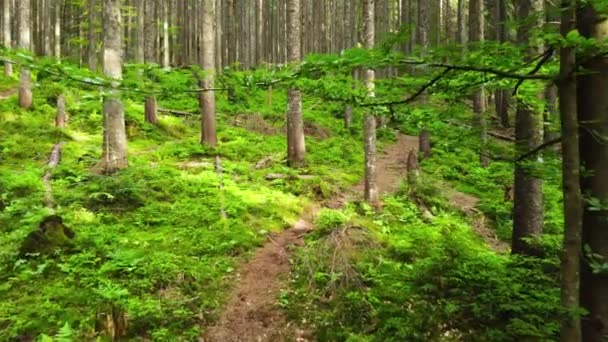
[
  {"x": 466, "y": 204},
  {"x": 7, "y": 93},
  {"x": 252, "y": 313}
]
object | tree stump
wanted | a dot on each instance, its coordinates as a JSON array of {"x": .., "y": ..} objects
[
  {"x": 150, "y": 110},
  {"x": 412, "y": 167},
  {"x": 425, "y": 144},
  {"x": 60, "y": 117}
]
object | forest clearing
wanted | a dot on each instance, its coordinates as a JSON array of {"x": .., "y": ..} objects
[{"x": 304, "y": 170}]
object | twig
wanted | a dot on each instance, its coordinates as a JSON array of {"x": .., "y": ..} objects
[{"x": 538, "y": 148}]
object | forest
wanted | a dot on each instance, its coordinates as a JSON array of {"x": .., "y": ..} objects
[{"x": 304, "y": 170}]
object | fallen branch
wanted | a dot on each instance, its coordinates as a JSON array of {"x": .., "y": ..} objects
[
  {"x": 501, "y": 136},
  {"x": 176, "y": 112},
  {"x": 53, "y": 162},
  {"x": 274, "y": 176}
]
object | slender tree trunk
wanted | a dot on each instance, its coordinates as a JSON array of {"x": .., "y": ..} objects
[
  {"x": 502, "y": 96},
  {"x": 57, "y": 40},
  {"x": 573, "y": 204},
  {"x": 476, "y": 33},
  {"x": 24, "y": 42},
  {"x": 593, "y": 117},
  {"x": 462, "y": 26},
  {"x": 92, "y": 39},
  {"x": 150, "y": 30},
  {"x": 114, "y": 146},
  {"x": 140, "y": 33},
  {"x": 207, "y": 98},
  {"x": 6, "y": 33},
  {"x": 296, "y": 145},
  {"x": 369, "y": 129},
  {"x": 528, "y": 200},
  {"x": 166, "y": 55}
]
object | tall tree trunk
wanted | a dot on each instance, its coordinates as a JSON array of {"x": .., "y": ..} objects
[
  {"x": 462, "y": 26},
  {"x": 6, "y": 34},
  {"x": 528, "y": 200},
  {"x": 369, "y": 129},
  {"x": 57, "y": 40},
  {"x": 150, "y": 29},
  {"x": 593, "y": 116},
  {"x": 502, "y": 96},
  {"x": 140, "y": 33},
  {"x": 92, "y": 39},
  {"x": 207, "y": 98},
  {"x": 573, "y": 204},
  {"x": 296, "y": 145},
  {"x": 24, "y": 43},
  {"x": 114, "y": 146},
  {"x": 166, "y": 55},
  {"x": 476, "y": 33}
]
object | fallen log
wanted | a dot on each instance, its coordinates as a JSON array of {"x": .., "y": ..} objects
[
  {"x": 175, "y": 112},
  {"x": 275, "y": 176}
]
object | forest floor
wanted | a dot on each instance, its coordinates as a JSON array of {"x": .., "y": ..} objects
[{"x": 252, "y": 313}]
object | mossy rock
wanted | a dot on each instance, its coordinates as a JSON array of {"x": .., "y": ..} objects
[{"x": 50, "y": 235}]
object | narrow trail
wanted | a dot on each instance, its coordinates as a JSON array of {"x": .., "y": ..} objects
[
  {"x": 8, "y": 93},
  {"x": 466, "y": 204},
  {"x": 251, "y": 314}
]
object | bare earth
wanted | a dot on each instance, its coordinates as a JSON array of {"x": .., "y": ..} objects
[
  {"x": 7, "y": 93},
  {"x": 252, "y": 314}
]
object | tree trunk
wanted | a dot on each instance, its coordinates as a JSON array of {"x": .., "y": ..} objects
[
  {"x": 369, "y": 130},
  {"x": 140, "y": 37},
  {"x": 92, "y": 39},
  {"x": 60, "y": 117},
  {"x": 57, "y": 40},
  {"x": 528, "y": 200},
  {"x": 24, "y": 43},
  {"x": 462, "y": 27},
  {"x": 593, "y": 114},
  {"x": 502, "y": 96},
  {"x": 114, "y": 146},
  {"x": 150, "y": 30},
  {"x": 476, "y": 34},
  {"x": 424, "y": 144},
  {"x": 150, "y": 110},
  {"x": 207, "y": 98},
  {"x": 166, "y": 55},
  {"x": 296, "y": 145},
  {"x": 6, "y": 33},
  {"x": 573, "y": 206}
]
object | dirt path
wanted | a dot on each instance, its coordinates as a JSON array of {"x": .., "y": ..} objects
[
  {"x": 466, "y": 204},
  {"x": 7, "y": 93},
  {"x": 251, "y": 314}
]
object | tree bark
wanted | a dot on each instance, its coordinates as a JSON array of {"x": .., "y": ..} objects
[
  {"x": 207, "y": 98},
  {"x": 476, "y": 34},
  {"x": 573, "y": 208},
  {"x": 114, "y": 156},
  {"x": 150, "y": 110},
  {"x": 528, "y": 200},
  {"x": 6, "y": 34},
  {"x": 502, "y": 96},
  {"x": 424, "y": 144},
  {"x": 24, "y": 43},
  {"x": 369, "y": 129},
  {"x": 593, "y": 117},
  {"x": 140, "y": 37},
  {"x": 92, "y": 37},
  {"x": 60, "y": 117},
  {"x": 296, "y": 145},
  {"x": 57, "y": 40}
]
